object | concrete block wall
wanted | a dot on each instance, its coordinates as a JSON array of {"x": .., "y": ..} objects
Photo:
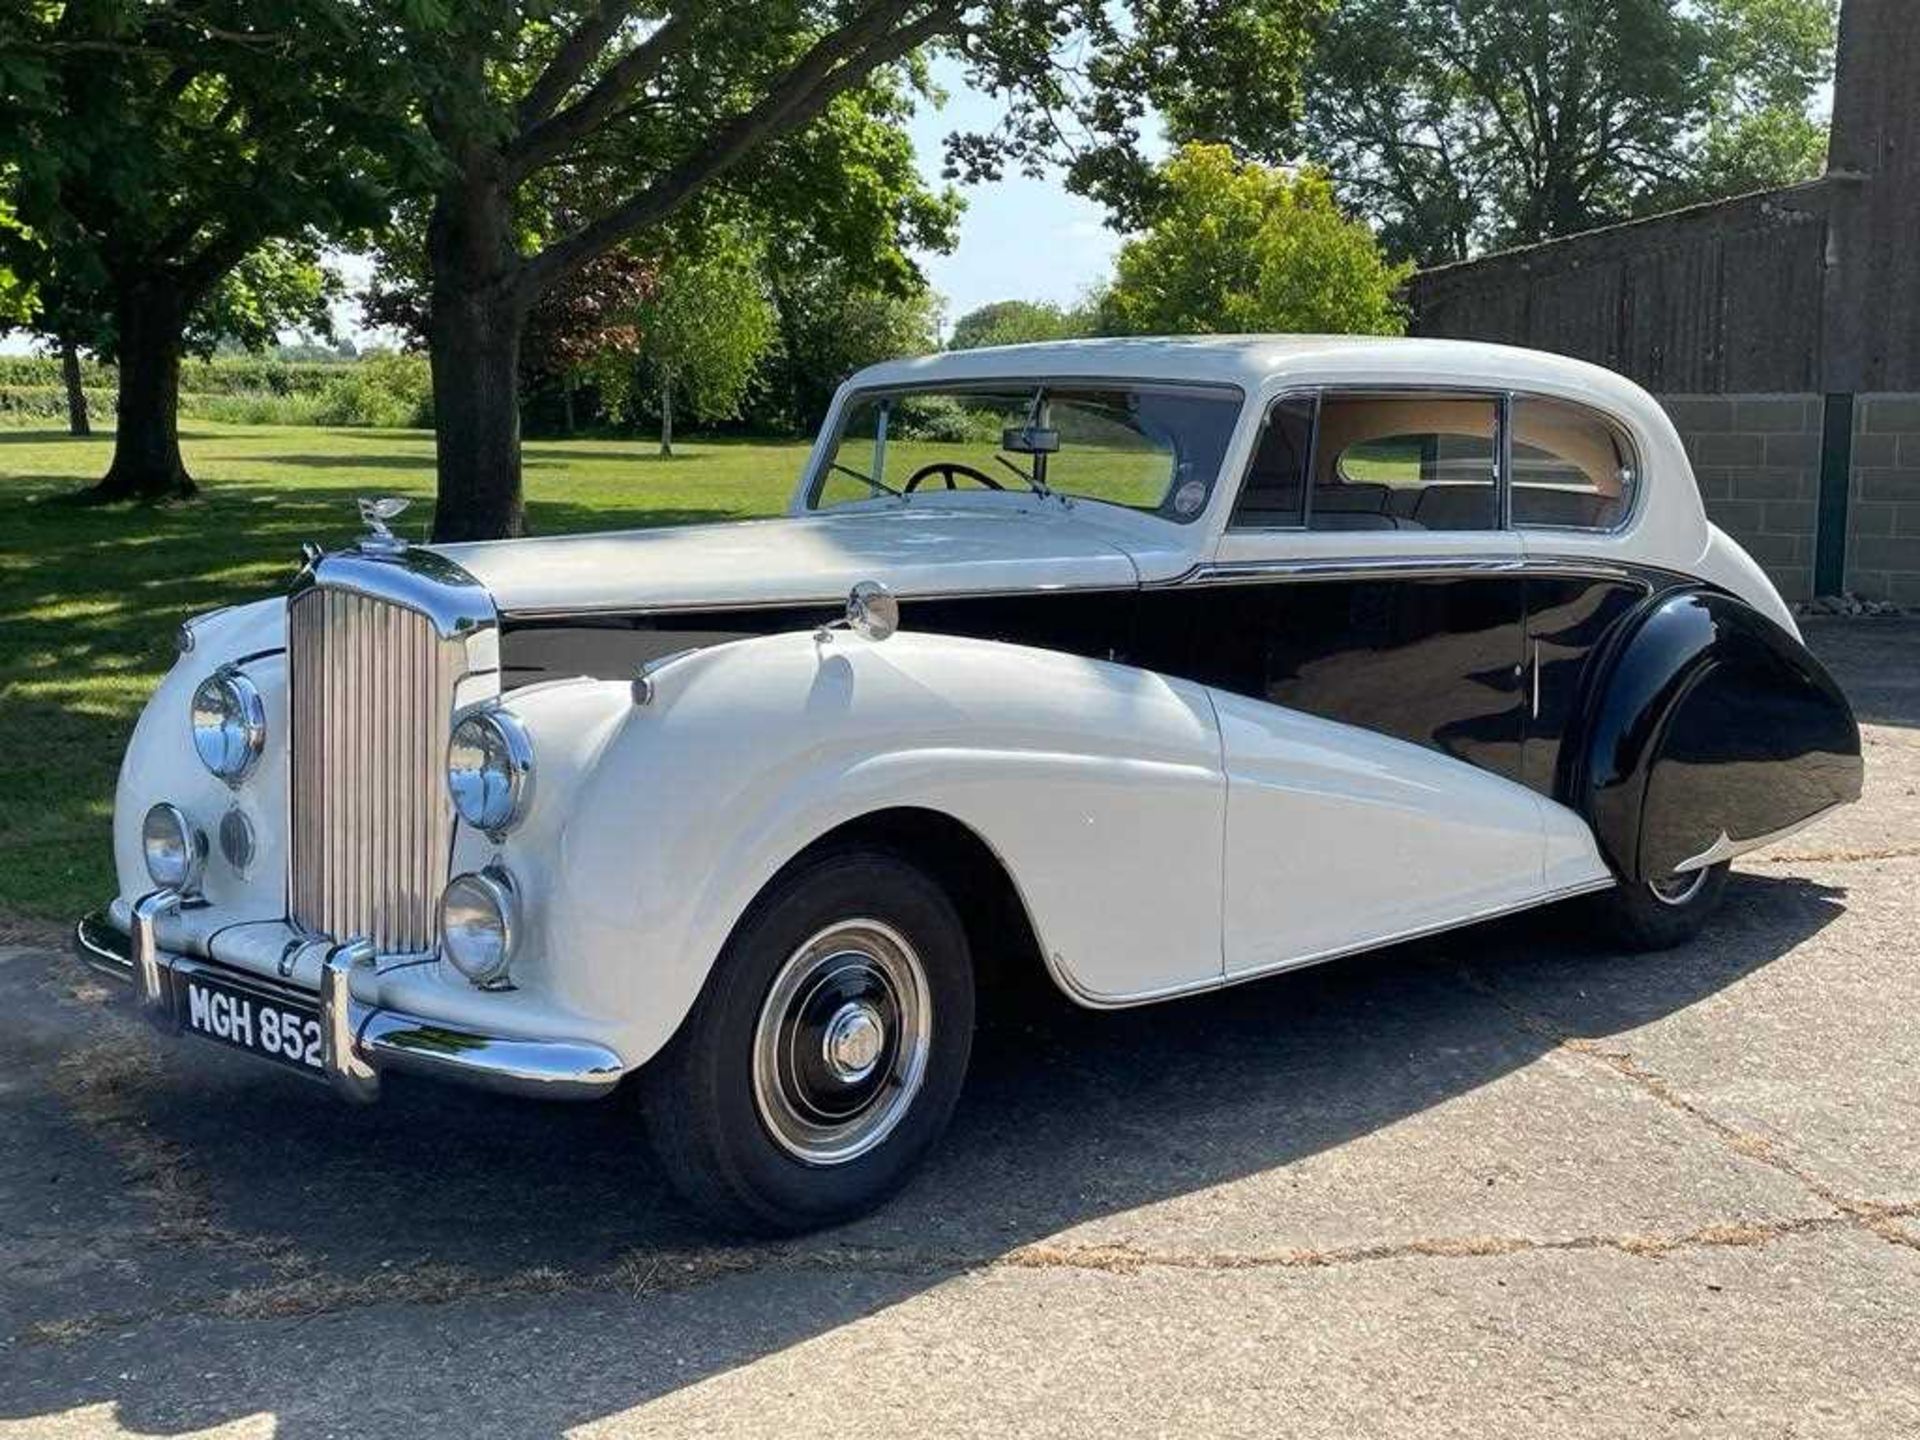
[
  {"x": 1883, "y": 504},
  {"x": 1757, "y": 459}
]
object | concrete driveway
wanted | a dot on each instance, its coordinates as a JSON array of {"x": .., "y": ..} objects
[{"x": 1501, "y": 1183}]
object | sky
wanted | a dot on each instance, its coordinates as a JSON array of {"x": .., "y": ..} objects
[{"x": 1020, "y": 239}]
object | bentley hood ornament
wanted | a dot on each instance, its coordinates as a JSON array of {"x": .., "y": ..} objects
[{"x": 375, "y": 512}]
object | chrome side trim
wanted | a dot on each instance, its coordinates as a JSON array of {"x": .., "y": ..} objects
[
  {"x": 360, "y": 1042},
  {"x": 831, "y": 602},
  {"x": 1236, "y": 572},
  {"x": 1391, "y": 567},
  {"x": 1097, "y": 1000},
  {"x": 1725, "y": 848}
]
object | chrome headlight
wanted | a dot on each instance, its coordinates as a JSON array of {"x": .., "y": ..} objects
[
  {"x": 478, "y": 924},
  {"x": 229, "y": 724},
  {"x": 490, "y": 770},
  {"x": 175, "y": 851}
]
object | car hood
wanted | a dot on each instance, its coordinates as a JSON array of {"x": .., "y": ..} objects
[{"x": 808, "y": 558}]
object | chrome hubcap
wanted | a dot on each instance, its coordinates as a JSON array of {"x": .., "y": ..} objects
[
  {"x": 855, "y": 1037},
  {"x": 1678, "y": 889},
  {"x": 841, "y": 1046}
]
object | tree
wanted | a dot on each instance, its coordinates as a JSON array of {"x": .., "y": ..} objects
[
  {"x": 701, "y": 331},
  {"x": 649, "y": 111},
  {"x": 1456, "y": 125},
  {"x": 278, "y": 286},
  {"x": 1018, "y": 322},
  {"x": 148, "y": 150},
  {"x": 51, "y": 301},
  {"x": 584, "y": 316},
  {"x": 1237, "y": 247},
  {"x": 830, "y": 325}
]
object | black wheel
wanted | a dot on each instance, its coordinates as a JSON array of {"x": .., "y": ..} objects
[
  {"x": 826, "y": 1052},
  {"x": 1659, "y": 914}
]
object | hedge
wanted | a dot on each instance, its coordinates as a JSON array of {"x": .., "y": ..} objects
[
  {"x": 236, "y": 376},
  {"x": 379, "y": 390}
]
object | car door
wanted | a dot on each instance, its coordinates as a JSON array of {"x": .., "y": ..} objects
[
  {"x": 1575, "y": 477},
  {"x": 1365, "y": 614}
]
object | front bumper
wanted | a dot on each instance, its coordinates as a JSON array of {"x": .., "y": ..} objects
[{"x": 359, "y": 1041}]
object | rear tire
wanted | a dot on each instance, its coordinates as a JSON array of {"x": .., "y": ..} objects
[
  {"x": 1652, "y": 915},
  {"x": 826, "y": 1051}
]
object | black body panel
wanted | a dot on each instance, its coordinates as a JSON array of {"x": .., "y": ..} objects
[
  {"x": 1436, "y": 660},
  {"x": 1663, "y": 712},
  {"x": 1094, "y": 623},
  {"x": 1570, "y": 619},
  {"x": 1711, "y": 722}
]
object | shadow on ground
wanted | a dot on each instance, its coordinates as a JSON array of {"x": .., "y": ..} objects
[{"x": 295, "y": 1211}]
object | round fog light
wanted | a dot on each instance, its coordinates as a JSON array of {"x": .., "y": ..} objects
[
  {"x": 174, "y": 850},
  {"x": 477, "y": 925}
]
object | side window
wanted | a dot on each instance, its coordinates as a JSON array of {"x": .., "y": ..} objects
[
  {"x": 1273, "y": 495},
  {"x": 1572, "y": 468},
  {"x": 1405, "y": 462}
]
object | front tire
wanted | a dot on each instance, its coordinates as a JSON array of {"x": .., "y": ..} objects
[
  {"x": 1660, "y": 914},
  {"x": 826, "y": 1051}
]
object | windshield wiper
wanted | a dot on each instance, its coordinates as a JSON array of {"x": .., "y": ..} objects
[
  {"x": 866, "y": 480},
  {"x": 1025, "y": 479}
]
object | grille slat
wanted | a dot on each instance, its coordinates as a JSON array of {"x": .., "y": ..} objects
[{"x": 373, "y": 686}]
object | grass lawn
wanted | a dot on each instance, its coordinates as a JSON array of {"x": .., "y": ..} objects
[{"x": 90, "y": 597}]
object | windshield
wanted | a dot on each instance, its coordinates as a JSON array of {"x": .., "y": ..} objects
[{"x": 1154, "y": 448}]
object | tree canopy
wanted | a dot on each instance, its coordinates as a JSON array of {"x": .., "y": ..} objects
[
  {"x": 1460, "y": 125},
  {"x": 831, "y": 325},
  {"x": 147, "y": 151},
  {"x": 642, "y": 117},
  {"x": 1019, "y": 322},
  {"x": 1236, "y": 246},
  {"x": 700, "y": 331}
]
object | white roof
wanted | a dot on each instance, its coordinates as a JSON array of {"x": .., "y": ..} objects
[{"x": 1259, "y": 363}]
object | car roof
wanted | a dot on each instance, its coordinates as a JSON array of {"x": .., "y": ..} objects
[{"x": 1263, "y": 363}]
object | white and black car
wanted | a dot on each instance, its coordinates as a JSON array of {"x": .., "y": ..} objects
[{"x": 1156, "y": 665}]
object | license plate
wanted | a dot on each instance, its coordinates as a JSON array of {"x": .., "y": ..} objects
[{"x": 284, "y": 1030}]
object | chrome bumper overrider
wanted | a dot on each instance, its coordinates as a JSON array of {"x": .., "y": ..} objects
[{"x": 358, "y": 1041}]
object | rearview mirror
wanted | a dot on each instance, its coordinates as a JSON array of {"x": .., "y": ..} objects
[{"x": 1029, "y": 440}]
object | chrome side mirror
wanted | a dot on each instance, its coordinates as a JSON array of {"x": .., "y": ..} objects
[{"x": 872, "y": 613}]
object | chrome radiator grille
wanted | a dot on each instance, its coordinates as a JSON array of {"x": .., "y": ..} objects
[{"x": 372, "y": 689}]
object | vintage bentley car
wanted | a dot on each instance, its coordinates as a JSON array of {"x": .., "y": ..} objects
[{"x": 1152, "y": 665}]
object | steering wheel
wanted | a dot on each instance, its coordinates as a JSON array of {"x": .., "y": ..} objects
[{"x": 948, "y": 470}]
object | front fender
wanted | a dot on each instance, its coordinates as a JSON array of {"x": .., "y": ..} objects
[
  {"x": 160, "y": 763},
  {"x": 1713, "y": 729},
  {"x": 1098, "y": 785}
]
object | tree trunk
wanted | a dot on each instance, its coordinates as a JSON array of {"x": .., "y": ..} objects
[
  {"x": 474, "y": 343},
  {"x": 566, "y": 398},
  {"x": 152, "y": 316},
  {"x": 76, "y": 389},
  {"x": 475, "y": 348},
  {"x": 666, "y": 414}
]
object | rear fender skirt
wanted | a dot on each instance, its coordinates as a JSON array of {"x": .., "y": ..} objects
[{"x": 1714, "y": 730}]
